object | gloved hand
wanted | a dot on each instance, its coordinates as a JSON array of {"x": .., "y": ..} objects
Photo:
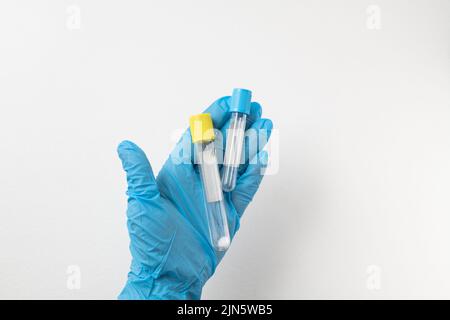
[{"x": 172, "y": 257}]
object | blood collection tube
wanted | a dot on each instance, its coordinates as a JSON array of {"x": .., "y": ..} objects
[
  {"x": 202, "y": 133},
  {"x": 239, "y": 109}
]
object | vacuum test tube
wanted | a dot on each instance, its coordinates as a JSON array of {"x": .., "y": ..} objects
[
  {"x": 202, "y": 133},
  {"x": 239, "y": 108}
]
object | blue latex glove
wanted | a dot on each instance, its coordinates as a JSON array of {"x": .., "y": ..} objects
[{"x": 172, "y": 257}]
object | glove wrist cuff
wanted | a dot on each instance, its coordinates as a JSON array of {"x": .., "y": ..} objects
[{"x": 151, "y": 288}]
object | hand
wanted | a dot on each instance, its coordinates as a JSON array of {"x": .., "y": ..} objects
[{"x": 172, "y": 257}]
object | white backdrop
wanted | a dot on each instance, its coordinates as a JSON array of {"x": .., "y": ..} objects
[{"x": 359, "y": 91}]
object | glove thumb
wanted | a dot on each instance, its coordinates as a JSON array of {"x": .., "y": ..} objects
[{"x": 140, "y": 178}]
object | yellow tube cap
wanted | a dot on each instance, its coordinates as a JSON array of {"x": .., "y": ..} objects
[{"x": 202, "y": 129}]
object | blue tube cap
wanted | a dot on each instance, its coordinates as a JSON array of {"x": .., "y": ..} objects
[{"x": 240, "y": 101}]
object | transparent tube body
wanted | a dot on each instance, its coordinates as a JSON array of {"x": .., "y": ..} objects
[
  {"x": 233, "y": 150},
  {"x": 214, "y": 203}
]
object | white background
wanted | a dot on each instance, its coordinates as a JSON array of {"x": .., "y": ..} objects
[{"x": 363, "y": 117}]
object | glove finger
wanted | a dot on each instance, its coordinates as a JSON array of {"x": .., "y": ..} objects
[
  {"x": 248, "y": 183},
  {"x": 140, "y": 178},
  {"x": 219, "y": 111},
  {"x": 255, "y": 114},
  {"x": 256, "y": 137}
]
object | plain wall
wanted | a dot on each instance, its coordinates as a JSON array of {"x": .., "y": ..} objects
[{"x": 360, "y": 205}]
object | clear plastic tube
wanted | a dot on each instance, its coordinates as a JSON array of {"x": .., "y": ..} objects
[
  {"x": 214, "y": 202},
  {"x": 233, "y": 150}
]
